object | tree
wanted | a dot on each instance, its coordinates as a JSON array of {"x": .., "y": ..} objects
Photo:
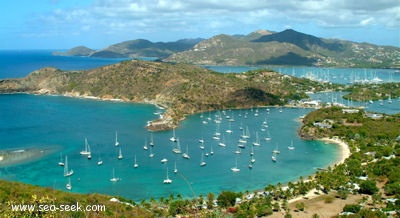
[
  {"x": 210, "y": 200},
  {"x": 368, "y": 187},
  {"x": 227, "y": 198}
]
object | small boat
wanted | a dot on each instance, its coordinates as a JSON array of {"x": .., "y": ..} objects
[
  {"x": 164, "y": 160},
  {"x": 274, "y": 158},
  {"x": 202, "y": 162},
  {"x": 167, "y": 180},
  {"x": 291, "y": 147},
  {"x": 238, "y": 152},
  {"x": 175, "y": 169},
  {"x": 135, "y": 165},
  {"x": 235, "y": 168},
  {"x": 61, "y": 162},
  {"x": 151, "y": 155},
  {"x": 186, "y": 155},
  {"x": 68, "y": 185},
  {"x": 151, "y": 140},
  {"x": 257, "y": 142},
  {"x": 177, "y": 150},
  {"x": 145, "y": 145},
  {"x": 116, "y": 139},
  {"x": 276, "y": 150},
  {"x": 67, "y": 172},
  {"x": 86, "y": 151},
  {"x": 173, "y": 138},
  {"x": 250, "y": 166},
  {"x": 113, "y": 178},
  {"x": 99, "y": 162},
  {"x": 120, "y": 154}
]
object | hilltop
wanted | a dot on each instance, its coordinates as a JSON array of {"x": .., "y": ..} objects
[
  {"x": 134, "y": 49},
  {"x": 288, "y": 47},
  {"x": 181, "y": 88}
]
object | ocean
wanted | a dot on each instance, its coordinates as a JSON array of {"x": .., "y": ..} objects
[{"x": 64, "y": 123}]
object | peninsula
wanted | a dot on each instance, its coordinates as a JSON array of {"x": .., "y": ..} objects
[{"x": 181, "y": 89}]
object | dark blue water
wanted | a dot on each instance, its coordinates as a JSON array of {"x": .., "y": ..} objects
[{"x": 16, "y": 63}]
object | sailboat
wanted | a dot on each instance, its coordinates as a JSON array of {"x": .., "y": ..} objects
[
  {"x": 61, "y": 162},
  {"x": 202, "y": 162},
  {"x": 268, "y": 136},
  {"x": 86, "y": 151},
  {"x": 135, "y": 165},
  {"x": 167, "y": 180},
  {"x": 99, "y": 162},
  {"x": 257, "y": 142},
  {"x": 151, "y": 155},
  {"x": 89, "y": 156},
  {"x": 173, "y": 138},
  {"x": 389, "y": 99},
  {"x": 235, "y": 168},
  {"x": 211, "y": 150},
  {"x": 274, "y": 158},
  {"x": 120, "y": 154},
  {"x": 116, "y": 139},
  {"x": 186, "y": 155},
  {"x": 113, "y": 178},
  {"x": 177, "y": 150},
  {"x": 276, "y": 150},
  {"x": 175, "y": 169},
  {"x": 151, "y": 140},
  {"x": 145, "y": 145},
  {"x": 68, "y": 185},
  {"x": 67, "y": 172},
  {"x": 291, "y": 147}
]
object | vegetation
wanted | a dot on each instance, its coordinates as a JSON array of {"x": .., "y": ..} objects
[
  {"x": 366, "y": 92},
  {"x": 181, "y": 88},
  {"x": 288, "y": 47}
]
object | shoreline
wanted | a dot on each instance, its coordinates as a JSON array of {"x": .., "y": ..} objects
[{"x": 344, "y": 153}]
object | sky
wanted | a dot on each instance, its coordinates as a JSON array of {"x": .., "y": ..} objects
[{"x": 63, "y": 24}]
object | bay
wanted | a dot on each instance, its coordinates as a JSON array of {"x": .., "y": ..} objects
[{"x": 32, "y": 121}]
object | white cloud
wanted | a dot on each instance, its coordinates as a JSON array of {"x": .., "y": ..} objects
[{"x": 152, "y": 16}]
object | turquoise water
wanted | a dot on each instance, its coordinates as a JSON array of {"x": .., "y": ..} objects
[{"x": 29, "y": 120}]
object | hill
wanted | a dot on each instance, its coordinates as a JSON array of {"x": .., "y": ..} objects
[
  {"x": 182, "y": 89},
  {"x": 288, "y": 47},
  {"x": 76, "y": 51},
  {"x": 134, "y": 49}
]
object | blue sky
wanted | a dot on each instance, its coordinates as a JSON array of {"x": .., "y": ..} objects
[{"x": 63, "y": 24}]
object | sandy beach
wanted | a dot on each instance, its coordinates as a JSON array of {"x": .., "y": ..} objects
[{"x": 343, "y": 146}]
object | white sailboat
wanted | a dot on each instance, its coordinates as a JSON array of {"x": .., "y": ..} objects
[
  {"x": 177, "y": 149},
  {"x": 274, "y": 158},
  {"x": 67, "y": 172},
  {"x": 61, "y": 162},
  {"x": 186, "y": 155},
  {"x": 268, "y": 136},
  {"x": 211, "y": 150},
  {"x": 167, "y": 180},
  {"x": 151, "y": 139},
  {"x": 173, "y": 138},
  {"x": 202, "y": 162},
  {"x": 86, "y": 151},
  {"x": 175, "y": 169},
  {"x": 276, "y": 150},
  {"x": 68, "y": 185},
  {"x": 291, "y": 146},
  {"x": 116, "y": 139},
  {"x": 257, "y": 142},
  {"x": 135, "y": 164},
  {"x": 145, "y": 145},
  {"x": 120, "y": 154},
  {"x": 235, "y": 168},
  {"x": 89, "y": 156},
  {"x": 99, "y": 162},
  {"x": 113, "y": 178},
  {"x": 151, "y": 155}
]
